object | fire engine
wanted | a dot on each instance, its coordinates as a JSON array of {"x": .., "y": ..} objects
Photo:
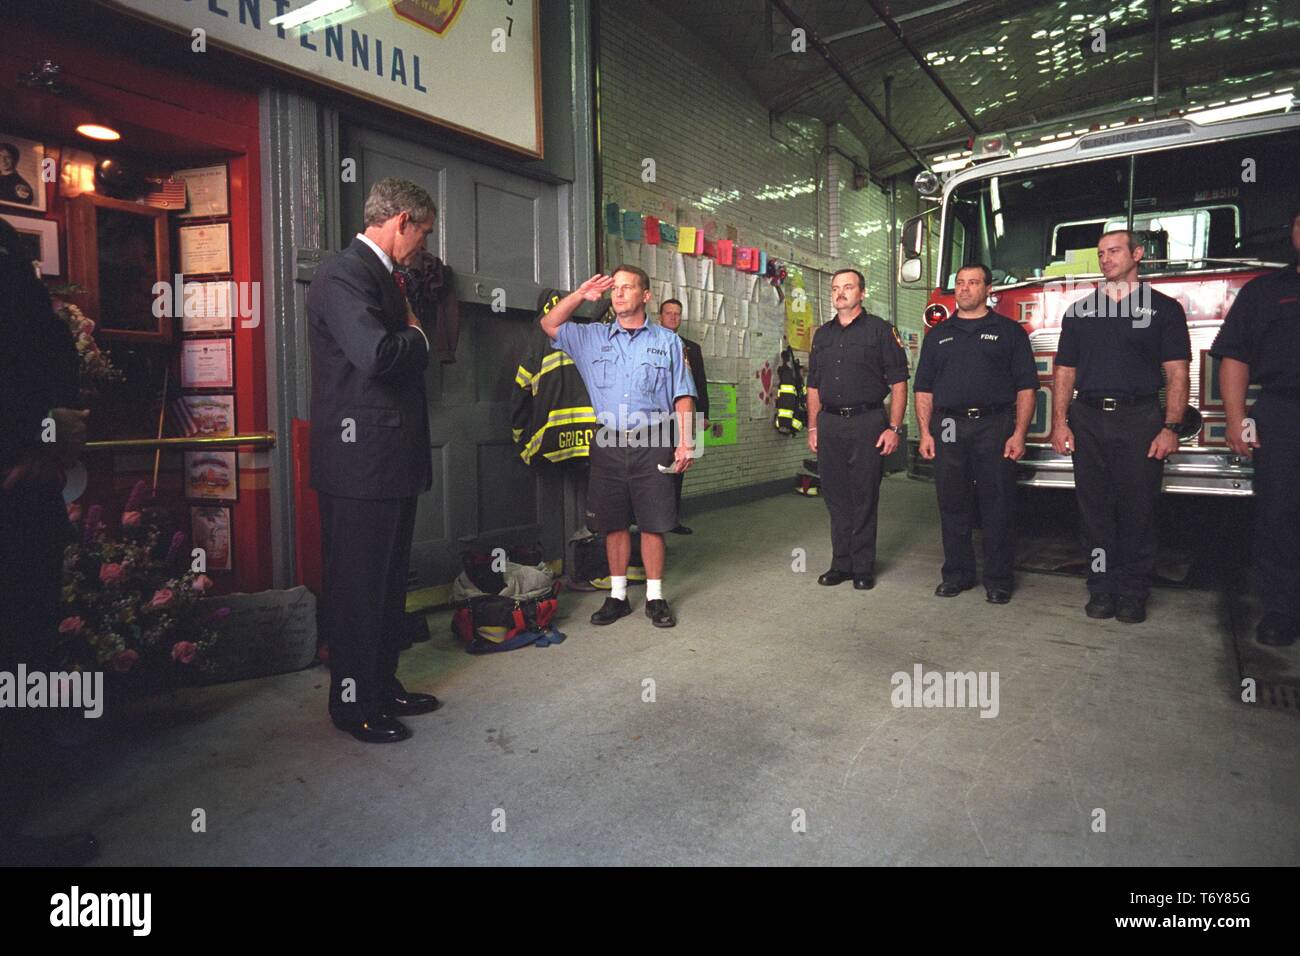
[{"x": 1206, "y": 197}]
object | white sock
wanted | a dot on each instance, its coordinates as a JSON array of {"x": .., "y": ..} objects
[
  {"x": 618, "y": 587},
  {"x": 654, "y": 589}
]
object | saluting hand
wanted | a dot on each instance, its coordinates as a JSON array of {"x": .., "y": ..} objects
[{"x": 595, "y": 287}]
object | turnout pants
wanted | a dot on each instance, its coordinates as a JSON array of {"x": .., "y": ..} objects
[
  {"x": 850, "y": 466},
  {"x": 970, "y": 467},
  {"x": 1117, "y": 487},
  {"x": 1277, "y": 505},
  {"x": 367, "y": 552}
]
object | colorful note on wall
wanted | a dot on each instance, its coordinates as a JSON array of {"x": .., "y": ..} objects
[
  {"x": 632, "y": 226},
  {"x": 799, "y": 325},
  {"x": 652, "y": 230},
  {"x": 686, "y": 240},
  {"x": 726, "y": 252},
  {"x": 613, "y": 218}
]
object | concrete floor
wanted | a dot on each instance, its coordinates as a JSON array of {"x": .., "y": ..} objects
[{"x": 772, "y": 695}]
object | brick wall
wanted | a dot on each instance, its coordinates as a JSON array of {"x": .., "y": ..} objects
[{"x": 720, "y": 165}]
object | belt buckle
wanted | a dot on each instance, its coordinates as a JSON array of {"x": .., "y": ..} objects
[
  {"x": 974, "y": 413},
  {"x": 1109, "y": 404},
  {"x": 844, "y": 412}
]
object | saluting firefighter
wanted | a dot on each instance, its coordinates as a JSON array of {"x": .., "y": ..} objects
[
  {"x": 975, "y": 387},
  {"x": 1114, "y": 343},
  {"x": 1260, "y": 342},
  {"x": 856, "y": 360}
]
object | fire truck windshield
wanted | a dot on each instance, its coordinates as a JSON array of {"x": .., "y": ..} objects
[{"x": 1196, "y": 207}]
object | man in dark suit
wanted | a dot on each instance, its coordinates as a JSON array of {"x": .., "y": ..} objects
[
  {"x": 670, "y": 317},
  {"x": 370, "y": 457}
]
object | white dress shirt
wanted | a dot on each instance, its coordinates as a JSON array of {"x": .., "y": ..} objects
[{"x": 387, "y": 260}]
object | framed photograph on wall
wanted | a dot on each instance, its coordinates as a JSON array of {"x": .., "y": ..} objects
[
  {"x": 205, "y": 250},
  {"x": 20, "y": 173},
  {"x": 213, "y": 475},
  {"x": 210, "y": 530},
  {"x": 203, "y": 416},
  {"x": 208, "y": 363},
  {"x": 42, "y": 237},
  {"x": 207, "y": 191}
]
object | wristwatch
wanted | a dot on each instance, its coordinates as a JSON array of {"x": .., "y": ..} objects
[
  {"x": 1174, "y": 427},
  {"x": 897, "y": 430}
]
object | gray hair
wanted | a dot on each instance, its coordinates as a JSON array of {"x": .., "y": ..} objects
[{"x": 391, "y": 196}]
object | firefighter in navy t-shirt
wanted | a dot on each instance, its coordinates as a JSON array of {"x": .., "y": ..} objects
[
  {"x": 975, "y": 387},
  {"x": 1114, "y": 344},
  {"x": 1260, "y": 342}
]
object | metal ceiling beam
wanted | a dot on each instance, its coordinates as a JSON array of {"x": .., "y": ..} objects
[
  {"x": 897, "y": 30},
  {"x": 833, "y": 62}
]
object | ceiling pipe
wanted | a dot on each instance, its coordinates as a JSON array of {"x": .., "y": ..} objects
[
  {"x": 834, "y": 63},
  {"x": 897, "y": 30}
]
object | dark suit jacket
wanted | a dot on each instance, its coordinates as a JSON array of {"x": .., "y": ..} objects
[
  {"x": 695, "y": 359},
  {"x": 367, "y": 365}
]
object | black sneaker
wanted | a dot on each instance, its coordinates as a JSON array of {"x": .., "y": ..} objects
[
  {"x": 1130, "y": 610},
  {"x": 611, "y": 611},
  {"x": 1100, "y": 606},
  {"x": 659, "y": 613}
]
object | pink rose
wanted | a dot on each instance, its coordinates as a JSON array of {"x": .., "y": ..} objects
[
  {"x": 162, "y": 597},
  {"x": 131, "y": 519},
  {"x": 74, "y": 512},
  {"x": 201, "y": 583},
  {"x": 123, "y": 661},
  {"x": 71, "y": 625},
  {"x": 183, "y": 652},
  {"x": 111, "y": 573}
]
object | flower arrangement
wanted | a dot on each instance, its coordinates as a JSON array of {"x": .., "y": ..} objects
[
  {"x": 96, "y": 366},
  {"x": 131, "y": 602}
]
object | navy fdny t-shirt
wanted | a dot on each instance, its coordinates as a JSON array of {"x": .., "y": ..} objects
[
  {"x": 1263, "y": 330},
  {"x": 1118, "y": 346},
  {"x": 974, "y": 363}
]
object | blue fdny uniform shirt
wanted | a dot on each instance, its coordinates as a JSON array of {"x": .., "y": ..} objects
[{"x": 629, "y": 373}]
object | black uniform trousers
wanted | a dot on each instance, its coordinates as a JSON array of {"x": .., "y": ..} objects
[
  {"x": 850, "y": 466},
  {"x": 34, "y": 532},
  {"x": 367, "y": 553},
  {"x": 1117, "y": 487},
  {"x": 1277, "y": 504},
  {"x": 965, "y": 468}
]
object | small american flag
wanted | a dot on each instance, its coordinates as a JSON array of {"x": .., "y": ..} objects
[
  {"x": 165, "y": 193},
  {"x": 183, "y": 424}
]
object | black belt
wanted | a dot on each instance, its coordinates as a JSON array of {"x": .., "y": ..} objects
[
  {"x": 975, "y": 412},
  {"x": 1108, "y": 403},
  {"x": 847, "y": 411}
]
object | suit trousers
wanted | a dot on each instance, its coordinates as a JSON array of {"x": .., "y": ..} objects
[
  {"x": 367, "y": 552},
  {"x": 1277, "y": 505},
  {"x": 1117, "y": 487},
  {"x": 970, "y": 468},
  {"x": 850, "y": 466}
]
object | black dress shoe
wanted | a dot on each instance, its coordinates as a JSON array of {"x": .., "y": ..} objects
[
  {"x": 1130, "y": 610},
  {"x": 997, "y": 595},
  {"x": 659, "y": 613},
  {"x": 863, "y": 582},
  {"x": 682, "y": 529},
  {"x": 1100, "y": 606},
  {"x": 409, "y": 704},
  {"x": 611, "y": 611},
  {"x": 382, "y": 730},
  {"x": 1276, "y": 630},
  {"x": 949, "y": 589},
  {"x": 833, "y": 577},
  {"x": 64, "y": 849}
]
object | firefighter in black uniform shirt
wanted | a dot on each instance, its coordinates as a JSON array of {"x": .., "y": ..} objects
[
  {"x": 1114, "y": 343},
  {"x": 856, "y": 360},
  {"x": 1260, "y": 342},
  {"x": 975, "y": 387}
]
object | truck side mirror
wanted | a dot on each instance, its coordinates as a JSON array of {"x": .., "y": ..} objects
[{"x": 911, "y": 246}]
